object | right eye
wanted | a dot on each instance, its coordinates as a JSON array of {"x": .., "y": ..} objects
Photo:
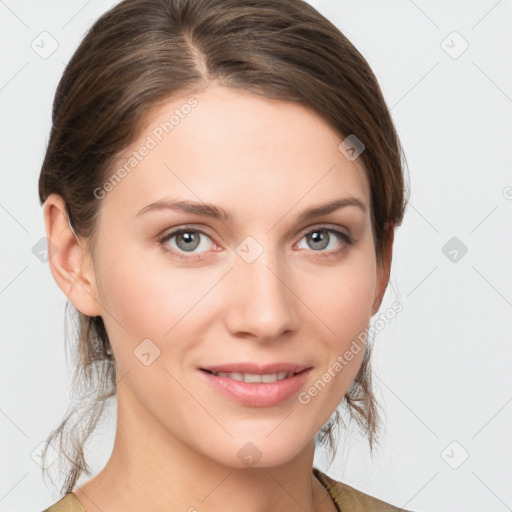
[{"x": 184, "y": 241}]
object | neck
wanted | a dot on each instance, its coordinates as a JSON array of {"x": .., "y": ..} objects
[{"x": 149, "y": 469}]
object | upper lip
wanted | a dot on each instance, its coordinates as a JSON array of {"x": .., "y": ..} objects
[{"x": 258, "y": 369}]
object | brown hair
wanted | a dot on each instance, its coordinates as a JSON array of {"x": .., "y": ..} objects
[{"x": 143, "y": 52}]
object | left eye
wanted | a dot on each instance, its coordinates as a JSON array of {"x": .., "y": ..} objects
[{"x": 321, "y": 238}]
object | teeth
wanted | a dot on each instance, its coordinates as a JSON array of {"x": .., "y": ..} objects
[{"x": 254, "y": 377}]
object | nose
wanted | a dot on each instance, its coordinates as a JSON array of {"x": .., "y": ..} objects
[{"x": 262, "y": 304}]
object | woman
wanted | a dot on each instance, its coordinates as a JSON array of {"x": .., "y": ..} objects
[{"x": 254, "y": 132}]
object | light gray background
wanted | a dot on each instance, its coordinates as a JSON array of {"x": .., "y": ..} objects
[{"x": 442, "y": 368}]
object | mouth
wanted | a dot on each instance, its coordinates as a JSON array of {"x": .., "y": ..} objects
[
  {"x": 266, "y": 378},
  {"x": 257, "y": 385},
  {"x": 250, "y": 372}
]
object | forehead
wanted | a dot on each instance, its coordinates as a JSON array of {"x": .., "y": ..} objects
[{"x": 231, "y": 146}]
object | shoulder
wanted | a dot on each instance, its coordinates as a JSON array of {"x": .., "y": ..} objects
[
  {"x": 351, "y": 500},
  {"x": 68, "y": 503}
]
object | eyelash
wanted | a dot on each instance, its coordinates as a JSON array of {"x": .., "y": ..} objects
[{"x": 345, "y": 238}]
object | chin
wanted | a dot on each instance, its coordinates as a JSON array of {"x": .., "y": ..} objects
[{"x": 259, "y": 451}]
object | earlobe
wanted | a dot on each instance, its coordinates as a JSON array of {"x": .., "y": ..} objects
[
  {"x": 70, "y": 262},
  {"x": 383, "y": 271}
]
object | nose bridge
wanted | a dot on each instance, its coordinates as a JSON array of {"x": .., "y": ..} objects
[{"x": 261, "y": 302}]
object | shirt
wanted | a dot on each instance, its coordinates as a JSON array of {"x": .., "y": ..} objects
[{"x": 346, "y": 499}]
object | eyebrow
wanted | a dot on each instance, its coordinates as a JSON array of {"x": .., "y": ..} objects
[{"x": 210, "y": 210}]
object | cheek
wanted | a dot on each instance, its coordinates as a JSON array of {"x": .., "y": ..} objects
[
  {"x": 344, "y": 296},
  {"x": 344, "y": 304},
  {"x": 145, "y": 297}
]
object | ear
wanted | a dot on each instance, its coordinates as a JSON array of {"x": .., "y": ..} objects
[
  {"x": 70, "y": 262},
  {"x": 383, "y": 270}
]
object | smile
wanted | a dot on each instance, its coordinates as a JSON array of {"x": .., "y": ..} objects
[
  {"x": 255, "y": 377},
  {"x": 260, "y": 387}
]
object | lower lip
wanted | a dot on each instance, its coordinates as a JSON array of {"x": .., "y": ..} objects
[{"x": 258, "y": 394}]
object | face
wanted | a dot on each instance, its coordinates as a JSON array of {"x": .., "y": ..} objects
[{"x": 227, "y": 314}]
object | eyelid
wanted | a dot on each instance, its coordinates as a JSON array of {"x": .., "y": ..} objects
[
  {"x": 327, "y": 227},
  {"x": 177, "y": 229},
  {"x": 185, "y": 227}
]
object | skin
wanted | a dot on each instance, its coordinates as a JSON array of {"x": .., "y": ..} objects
[{"x": 177, "y": 438}]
